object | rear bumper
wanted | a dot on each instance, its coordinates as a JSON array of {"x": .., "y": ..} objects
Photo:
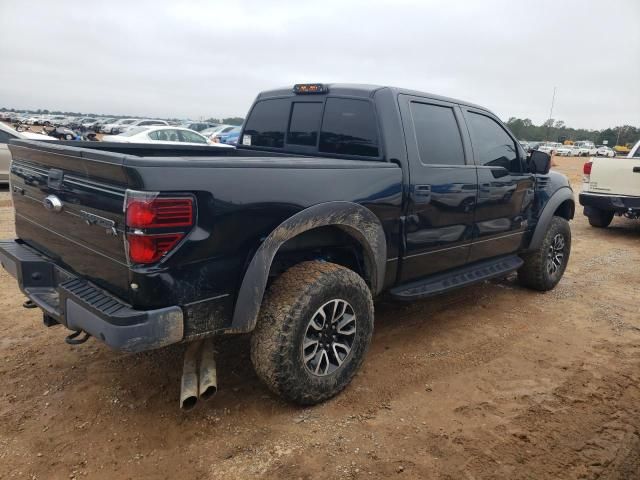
[
  {"x": 613, "y": 203},
  {"x": 79, "y": 305}
]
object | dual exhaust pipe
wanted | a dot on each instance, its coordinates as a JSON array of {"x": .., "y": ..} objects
[{"x": 199, "y": 377}]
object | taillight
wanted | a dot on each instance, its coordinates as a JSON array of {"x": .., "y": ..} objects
[
  {"x": 160, "y": 212},
  {"x": 151, "y": 248},
  {"x": 155, "y": 225},
  {"x": 586, "y": 172}
]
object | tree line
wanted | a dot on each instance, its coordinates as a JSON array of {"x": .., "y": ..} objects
[{"x": 556, "y": 131}]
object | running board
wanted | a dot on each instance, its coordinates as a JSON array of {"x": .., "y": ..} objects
[{"x": 457, "y": 278}]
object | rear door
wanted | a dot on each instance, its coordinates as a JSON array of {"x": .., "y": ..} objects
[
  {"x": 505, "y": 189},
  {"x": 443, "y": 187}
]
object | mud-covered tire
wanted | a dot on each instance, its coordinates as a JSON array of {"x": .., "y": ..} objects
[
  {"x": 600, "y": 218},
  {"x": 289, "y": 306},
  {"x": 537, "y": 273}
]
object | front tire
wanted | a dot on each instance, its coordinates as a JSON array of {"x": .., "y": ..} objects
[
  {"x": 543, "y": 268},
  {"x": 600, "y": 218},
  {"x": 314, "y": 329}
]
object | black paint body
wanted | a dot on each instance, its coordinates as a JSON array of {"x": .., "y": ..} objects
[{"x": 432, "y": 218}]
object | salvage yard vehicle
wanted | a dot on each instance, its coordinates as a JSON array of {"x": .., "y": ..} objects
[
  {"x": 115, "y": 127},
  {"x": 604, "y": 151},
  {"x": 549, "y": 147},
  {"x": 567, "y": 151},
  {"x": 148, "y": 122},
  {"x": 159, "y": 135},
  {"x": 611, "y": 188},
  {"x": 336, "y": 194}
]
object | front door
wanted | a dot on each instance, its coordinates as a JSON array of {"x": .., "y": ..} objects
[
  {"x": 443, "y": 188},
  {"x": 505, "y": 189}
]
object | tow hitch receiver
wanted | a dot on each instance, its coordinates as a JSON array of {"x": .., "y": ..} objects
[{"x": 74, "y": 340}]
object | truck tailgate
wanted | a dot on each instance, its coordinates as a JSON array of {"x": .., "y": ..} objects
[
  {"x": 84, "y": 232},
  {"x": 615, "y": 176}
]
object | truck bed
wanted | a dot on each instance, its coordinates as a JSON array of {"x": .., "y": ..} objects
[{"x": 240, "y": 196}]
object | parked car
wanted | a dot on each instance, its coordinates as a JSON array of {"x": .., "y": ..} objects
[
  {"x": 219, "y": 129},
  {"x": 229, "y": 137},
  {"x": 115, "y": 127},
  {"x": 6, "y": 134},
  {"x": 549, "y": 147},
  {"x": 586, "y": 148},
  {"x": 289, "y": 236},
  {"x": 567, "y": 151},
  {"x": 159, "y": 135},
  {"x": 141, "y": 123},
  {"x": 198, "y": 126},
  {"x": 532, "y": 146},
  {"x": 604, "y": 151},
  {"x": 101, "y": 122},
  {"x": 611, "y": 188}
]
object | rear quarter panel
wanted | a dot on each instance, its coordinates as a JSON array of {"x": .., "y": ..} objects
[{"x": 242, "y": 200}]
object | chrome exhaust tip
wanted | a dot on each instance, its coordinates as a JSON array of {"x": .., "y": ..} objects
[
  {"x": 208, "y": 381},
  {"x": 189, "y": 383}
]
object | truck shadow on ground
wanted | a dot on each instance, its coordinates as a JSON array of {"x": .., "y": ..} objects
[{"x": 150, "y": 381}]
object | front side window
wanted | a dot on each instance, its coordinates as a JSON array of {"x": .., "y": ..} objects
[
  {"x": 304, "y": 124},
  {"x": 437, "y": 134},
  {"x": 494, "y": 147},
  {"x": 267, "y": 123},
  {"x": 349, "y": 128}
]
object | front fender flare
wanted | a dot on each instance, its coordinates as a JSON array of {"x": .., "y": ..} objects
[
  {"x": 558, "y": 198},
  {"x": 355, "y": 219}
]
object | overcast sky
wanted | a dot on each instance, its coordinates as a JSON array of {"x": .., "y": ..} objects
[{"x": 200, "y": 59}]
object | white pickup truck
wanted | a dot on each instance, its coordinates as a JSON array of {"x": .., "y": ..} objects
[{"x": 611, "y": 186}]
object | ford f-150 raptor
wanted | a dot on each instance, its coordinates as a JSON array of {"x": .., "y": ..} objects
[{"x": 337, "y": 194}]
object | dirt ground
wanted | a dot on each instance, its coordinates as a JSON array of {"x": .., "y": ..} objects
[{"x": 493, "y": 381}]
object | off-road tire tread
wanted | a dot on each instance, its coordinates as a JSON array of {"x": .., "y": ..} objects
[
  {"x": 533, "y": 272},
  {"x": 281, "y": 307}
]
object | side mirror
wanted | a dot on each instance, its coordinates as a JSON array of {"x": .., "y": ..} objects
[{"x": 539, "y": 162}]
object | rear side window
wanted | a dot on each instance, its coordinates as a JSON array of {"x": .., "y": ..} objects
[
  {"x": 267, "y": 123},
  {"x": 437, "y": 134},
  {"x": 187, "y": 136},
  {"x": 304, "y": 124},
  {"x": 349, "y": 128},
  {"x": 495, "y": 148}
]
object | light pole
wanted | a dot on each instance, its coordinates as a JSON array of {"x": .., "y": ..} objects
[{"x": 553, "y": 99}]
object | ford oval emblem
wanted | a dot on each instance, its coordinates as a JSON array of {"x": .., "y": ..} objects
[{"x": 52, "y": 203}]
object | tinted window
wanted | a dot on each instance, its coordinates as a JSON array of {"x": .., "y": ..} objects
[
  {"x": 267, "y": 123},
  {"x": 437, "y": 134},
  {"x": 349, "y": 128},
  {"x": 494, "y": 147},
  {"x": 304, "y": 124}
]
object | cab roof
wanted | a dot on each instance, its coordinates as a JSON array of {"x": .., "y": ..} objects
[{"x": 365, "y": 90}]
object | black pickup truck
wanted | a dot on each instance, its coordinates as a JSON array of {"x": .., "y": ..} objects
[{"x": 336, "y": 194}]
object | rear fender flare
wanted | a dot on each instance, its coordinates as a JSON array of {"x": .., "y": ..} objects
[
  {"x": 356, "y": 220},
  {"x": 558, "y": 198}
]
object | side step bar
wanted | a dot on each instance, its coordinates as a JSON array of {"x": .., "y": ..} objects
[{"x": 457, "y": 278}]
